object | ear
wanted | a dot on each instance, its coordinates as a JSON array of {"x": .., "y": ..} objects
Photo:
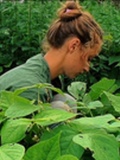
[{"x": 74, "y": 44}]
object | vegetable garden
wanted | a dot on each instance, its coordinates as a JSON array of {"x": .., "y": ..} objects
[{"x": 30, "y": 131}]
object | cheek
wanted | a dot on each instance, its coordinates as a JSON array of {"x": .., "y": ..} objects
[
  {"x": 69, "y": 66},
  {"x": 84, "y": 63}
]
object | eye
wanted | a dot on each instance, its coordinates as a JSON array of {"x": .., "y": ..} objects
[{"x": 90, "y": 58}]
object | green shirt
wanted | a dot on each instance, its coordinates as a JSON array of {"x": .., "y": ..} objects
[{"x": 34, "y": 71}]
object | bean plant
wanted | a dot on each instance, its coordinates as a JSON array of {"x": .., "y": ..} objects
[{"x": 37, "y": 131}]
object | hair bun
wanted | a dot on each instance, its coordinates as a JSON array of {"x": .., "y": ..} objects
[{"x": 70, "y": 10}]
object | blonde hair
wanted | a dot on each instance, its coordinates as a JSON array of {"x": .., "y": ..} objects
[{"x": 72, "y": 20}]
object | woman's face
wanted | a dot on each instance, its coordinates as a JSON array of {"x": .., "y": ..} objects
[{"x": 79, "y": 61}]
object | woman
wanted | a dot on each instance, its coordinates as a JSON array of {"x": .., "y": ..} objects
[{"x": 74, "y": 38}]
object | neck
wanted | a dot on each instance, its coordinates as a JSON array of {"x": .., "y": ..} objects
[{"x": 54, "y": 58}]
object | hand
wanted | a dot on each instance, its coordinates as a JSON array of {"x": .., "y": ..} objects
[{"x": 65, "y": 102}]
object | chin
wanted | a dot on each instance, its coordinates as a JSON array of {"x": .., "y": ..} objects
[{"x": 72, "y": 77}]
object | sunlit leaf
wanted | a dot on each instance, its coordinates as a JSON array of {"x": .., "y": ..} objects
[
  {"x": 11, "y": 152},
  {"x": 114, "y": 100},
  {"x": 67, "y": 146},
  {"x": 77, "y": 89},
  {"x": 14, "y": 130},
  {"x": 6, "y": 99},
  {"x": 89, "y": 123},
  {"x": 48, "y": 149},
  {"x": 20, "y": 107},
  {"x": 103, "y": 85},
  {"x": 94, "y": 105},
  {"x": 51, "y": 116},
  {"x": 2, "y": 116},
  {"x": 103, "y": 146},
  {"x": 67, "y": 157}
]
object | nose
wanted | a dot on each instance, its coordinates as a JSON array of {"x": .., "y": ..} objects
[{"x": 87, "y": 67}]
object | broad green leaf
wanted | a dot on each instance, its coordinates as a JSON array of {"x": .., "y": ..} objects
[
  {"x": 114, "y": 100},
  {"x": 118, "y": 137},
  {"x": 67, "y": 146},
  {"x": 86, "y": 99},
  {"x": 103, "y": 146},
  {"x": 44, "y": 150},
  {"x": 90, "y": 123},
  {"x": 67, "y": 157},
  {"x": 51, "y": 116},
  {"x": 114, "y": 59},
  {"x": 39, "y": 85},
  {"x": 103, "y": 85},
  {"x": 77, "y": 89},
  {"x": 94, "y": 105},
  {"x": 115, "y": 124},
  {"x": 11, "y": 152},
  {"x": 6, "y": 99},
  {"x": 2, "y": 116},
  {"x": 20, "y": 107},
  {"x": 14, "y": 130}
]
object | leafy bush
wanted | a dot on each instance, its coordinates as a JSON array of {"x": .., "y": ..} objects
[
  {"x": 30, "y": 131},
  {"x": 22, "y": 30}
]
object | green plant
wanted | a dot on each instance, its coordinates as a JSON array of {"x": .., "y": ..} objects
[{"x": 29, "y": 131}]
